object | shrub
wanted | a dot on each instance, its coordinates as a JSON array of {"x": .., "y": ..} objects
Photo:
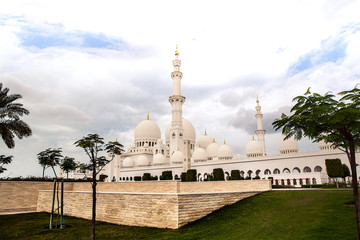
[
  {"x": 218, "y": 174},
  {"x": 248, "y": 178},
  {"x": 166, "y": 175},
  {"x": 183, "y": 177},
  {"x": 235, "y": 175},
  {"x": 257, "y": 177},
  {"x": 241, "y": 178},
  {"x": 191, "y": 175},
  {"x": 146, "y": 177},
  {"x": 137, "y": 178}
]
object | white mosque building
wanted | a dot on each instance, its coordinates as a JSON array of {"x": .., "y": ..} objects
[{"x": 182, "y": 151}]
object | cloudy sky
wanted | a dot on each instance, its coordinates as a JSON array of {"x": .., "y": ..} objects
[{"x": 99, "y": 66}]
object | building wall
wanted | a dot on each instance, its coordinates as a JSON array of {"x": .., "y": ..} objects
[{"x": 164, "y": 204}]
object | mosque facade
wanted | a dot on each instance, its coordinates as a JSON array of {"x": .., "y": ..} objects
[{"x": 182, "y": 151}]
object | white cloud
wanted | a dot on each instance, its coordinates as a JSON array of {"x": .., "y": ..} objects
[{"x": 231, "y": 52}]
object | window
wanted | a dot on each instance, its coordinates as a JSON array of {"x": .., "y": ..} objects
[
  {"x": 307, "y": 169},
  {"x": 276, "y": 171},
  {"x": 296, "y": 170},
  {"x": 267, "y": 172},
  {"x": 318, "y": 169},
  {"x": 286, "y": 170}
]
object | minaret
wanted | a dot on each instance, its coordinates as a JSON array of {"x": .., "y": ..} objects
[
  {"x": 260, "y": 132},
  {"x": 176, "y": 101}
]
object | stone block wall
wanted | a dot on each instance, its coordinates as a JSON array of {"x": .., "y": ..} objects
[{"x": 22, "y": 195}]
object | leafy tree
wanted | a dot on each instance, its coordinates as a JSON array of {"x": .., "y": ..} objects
[
  {"x": 4, "y": 160},
  {"x": 10, "y": 123},
  {"x": 345, "y": 172},
  {"x": 68, "y": 164},
  {"x": 50, "y": 157},
  {"x": 323, "y": 117},
  {"x": 334, "y": 169},
  {"x": 93, "y": 144}
]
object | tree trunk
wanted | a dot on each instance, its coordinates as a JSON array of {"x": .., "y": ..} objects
[
  {"x": 67, "y": 175},
  {"x": 355, "y": 187},
  {"x": 43, "y": 172},
  {"x": 337, "y": 183},
  {"x": 94, "y": 200}
]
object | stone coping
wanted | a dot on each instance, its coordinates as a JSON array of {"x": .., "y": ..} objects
[{"x": 147, "y": 193}]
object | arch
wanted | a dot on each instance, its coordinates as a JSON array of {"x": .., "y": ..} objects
[
  {"x": 249, "y": 173},
  {"x": 156, "y": 151},
  {"x": 267, "y": 172},
  {"x": 307, "y": 169},
  {"x": 199, "y": 176},
  {"x": 276, "y": 171},
  {"x": 113, "y": 179},
  {"x": 227, "y": 176},
  {"x": 130, "y": 178},
  {"x": 242, "y": 173},
  {"x": 127, "y": 178},
  {"x": 206, "y": 176},
  {"x": 162, "y": 151},
  {"x": 318, "y": 169},
  {"x": 296, "y": 170},
  {"x": 282, "y": 182},
  {"x": 258, "y": 172},
  {"x": 314, "y": 181},
  {"x": 286, "y": 170},
  {"x": 294, "y": 181},
  {"x": 176, "y": 177}
]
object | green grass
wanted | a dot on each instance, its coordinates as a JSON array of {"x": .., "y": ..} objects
[{"x": 270, "y": 215}]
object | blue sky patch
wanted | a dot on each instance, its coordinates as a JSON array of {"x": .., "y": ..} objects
[
  {"x": 330, "y": 51},
  {"x": 53, "y": 35}
]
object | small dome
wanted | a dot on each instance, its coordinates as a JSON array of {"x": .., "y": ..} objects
[
  {"x": 147, "y": 129},
  {"x": 324, "y": 146},
  {"x": 288, "y": 146},
  {"x": 142, "y": 161},
  {"x": 159, "y": 142},
  {"x": 225, "y": 152},
  {"x": 199, "y": 155},
  {"x": 212, "y": 149},
  {"x": 189, "y": 131},
  {"x": 128, "y": 163},
  {"x": 253, "y": 149},
  {"x": 159, "y": 159},
  {"x": 177, "y": 157},
  {"x": 204, "y": 141}
]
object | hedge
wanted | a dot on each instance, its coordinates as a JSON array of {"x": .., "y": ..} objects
[
  {"x": 191, "y": 175},
  {"x": 218, "y": 174},
  {"x": 235, "y": 175},
  {"x": 166, "y": 175}
]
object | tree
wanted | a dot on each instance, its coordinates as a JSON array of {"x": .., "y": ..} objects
[
  {"x": 92, "y": 145},
  {"x": 68, "y": 164},
  {"x": 10, "y": 123},
  {"x": 324, "y": 118},
  {"x": 50, "y": 157},
  {"x": 345, "y": 172},
  {"x": 334, "y": 169},
  {"x": 4, "y": 160}
]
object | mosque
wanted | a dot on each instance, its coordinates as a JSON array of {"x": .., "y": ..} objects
[{"x": 182, "y": 151}]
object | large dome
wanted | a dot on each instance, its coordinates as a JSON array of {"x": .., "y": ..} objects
[
  {"x": 289, "y": 145},
  {"x": 189, "y": 131},
  {"x": 225, "y": 152},
  {"x": 212, "y": 150},
  {"x": 199, "y": 155},
  {"x": 253, "y": 149},
  {"x": 177, "y": 157},
  {"x": 204, "y": 141},
  {"x": 147, "y": 129},
  {"x": 159, "y": 159},
  {"x": 128, "y": 163}
]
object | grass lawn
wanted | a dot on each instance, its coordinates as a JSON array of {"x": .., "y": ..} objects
[{"x": 270, "y": 215}]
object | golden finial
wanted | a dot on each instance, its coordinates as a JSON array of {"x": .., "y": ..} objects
[
  {"x": 257, "y": 99},
  {"x": 178, "y": 149},
  {"x": 253, "y": 138},
  {"x": 224, "y": 142},
  {"x": 205, "y": 131},
  {"x": 213, "y": 140},
  {"x": 176, "y": 52},
  {"x": 148, "y": 117},
  {"x": 199, "y": 145}
]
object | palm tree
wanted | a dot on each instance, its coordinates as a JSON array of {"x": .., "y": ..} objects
[{"x": 10, "y": 123}]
